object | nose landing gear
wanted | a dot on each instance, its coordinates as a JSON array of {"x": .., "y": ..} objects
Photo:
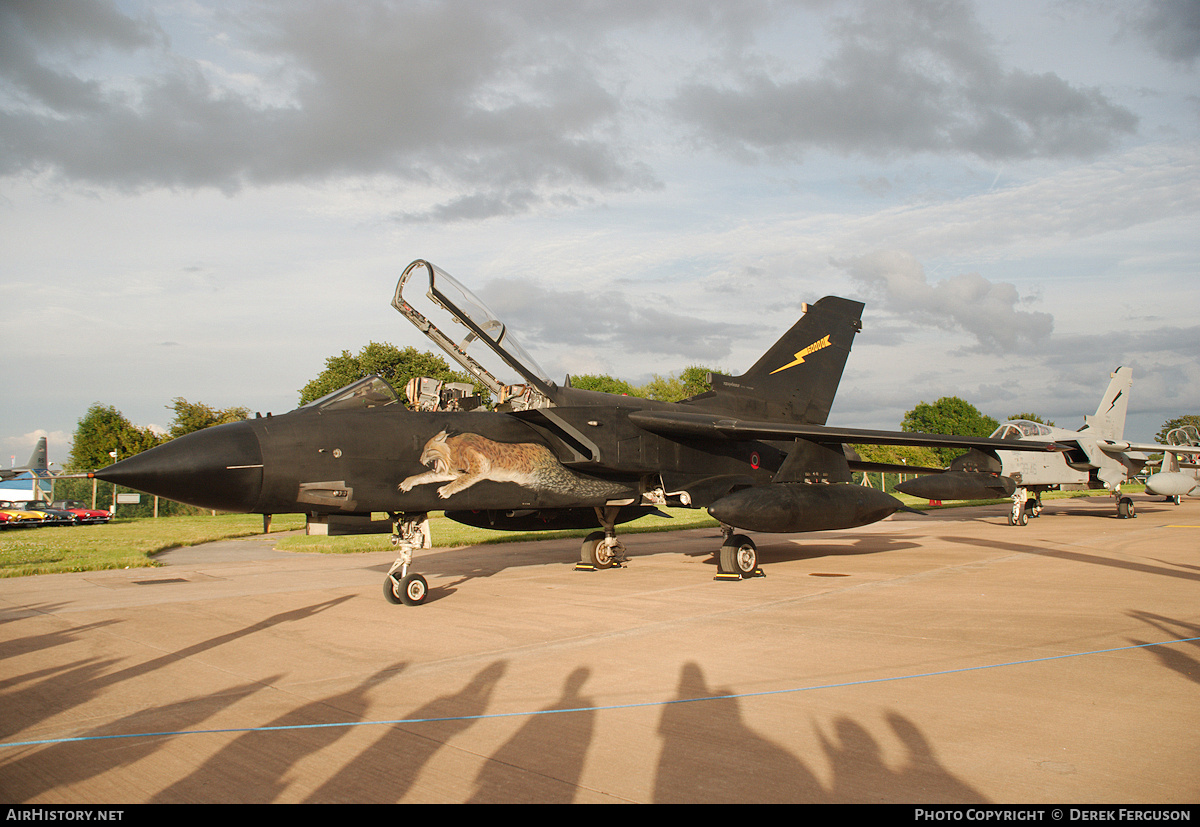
[{"x": 409, "y": 533}]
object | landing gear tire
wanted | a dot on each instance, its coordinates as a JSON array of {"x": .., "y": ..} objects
[
  {"x": 1018, "y": 516},
  {"x": 391, "y": 590},
  {"x": 410, "y": 590},
  {"x": 595, "y": 552},
  {"x": 1125, "y": 508},
  {"x": 738, "y": 556}
]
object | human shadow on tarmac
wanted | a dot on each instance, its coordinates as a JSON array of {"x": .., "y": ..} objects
[
  {"x": 47, "y": 693},
  {"x": 710, "y": 755},
  {"x": 155, "y": 664},
  {"x": 860, "y": 775},
  {"x": 385, "y": 771},
  {"x": 253, "y": 767},
  {"x": 1168, "y": 656},
  {"x": 106, "y": 748},
  {"x": 76, "y": 684},
  {"x": 550, "y": 750},
  {"x": 27, "y": 698}
]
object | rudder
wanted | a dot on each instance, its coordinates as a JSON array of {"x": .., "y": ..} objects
[
  {"x": 1109, "y": 419},
  {"x": 797, "y": 378},
  {"x": 37, "y": 460}
]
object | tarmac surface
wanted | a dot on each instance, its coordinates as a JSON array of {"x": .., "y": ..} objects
[{"x": 946, "y": 658}]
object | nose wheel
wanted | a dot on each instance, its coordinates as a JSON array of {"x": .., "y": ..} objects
[
  {"x": 401, "y": 586},
  {"x": 409, "y": 589}
]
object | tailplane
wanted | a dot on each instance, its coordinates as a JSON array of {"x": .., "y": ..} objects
[
  {"x": 798, "y": 377},
  {"x": 1109, "y": 420}
]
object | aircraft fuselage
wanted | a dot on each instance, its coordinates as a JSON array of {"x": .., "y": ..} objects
[{"x": 390, "y": 459}]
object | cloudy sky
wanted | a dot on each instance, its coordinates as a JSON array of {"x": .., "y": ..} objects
[{"x": 208, "y": 199}]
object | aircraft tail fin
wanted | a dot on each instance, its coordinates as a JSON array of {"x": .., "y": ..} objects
[
  {"x": 37, "y": 460},
  {"x": 796, "y": 379},
  {"x": 1109, "y": 419}
]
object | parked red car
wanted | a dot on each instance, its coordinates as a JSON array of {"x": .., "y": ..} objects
[{"x": 83, "y": 514}]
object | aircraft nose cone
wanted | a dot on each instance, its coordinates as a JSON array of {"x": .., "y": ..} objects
[{"x": 219, "y": 468}]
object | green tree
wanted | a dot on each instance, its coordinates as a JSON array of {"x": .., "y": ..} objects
[
  {"x": 603, "y": 383},
  {"x": 196, "y": 416},
  {"x": 104, "y": 429},
  {"x": 949, "y": 415},
  {"x": 1032, "y": 417},
  {"x": 393, "y": 364},
  {"x": 1177, "y": 422},
  {"x": 691, "y": 381},
  {"x": 912, "y": 455}
]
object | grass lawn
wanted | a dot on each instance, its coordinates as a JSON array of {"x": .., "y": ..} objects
[
  {"x": 122, "y": 544},
  {"x": 133, "y": 543}
]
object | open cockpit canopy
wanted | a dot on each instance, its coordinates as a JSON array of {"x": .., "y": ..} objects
[
  {"x": 1021, "y": 429},
  {"x": 450, "y": 298}
]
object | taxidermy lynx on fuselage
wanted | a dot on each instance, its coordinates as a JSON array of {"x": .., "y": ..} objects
[{"x": 465, "y": 459}]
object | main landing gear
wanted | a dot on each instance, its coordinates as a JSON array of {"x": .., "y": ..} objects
[
  {"x": 1125, "y": 508},
  {"x": 602, "y": 549},
  {"x": 737, "y": 558},
  {"x": 409, "y": 533},
  {"x": 1023, "y": 508}
]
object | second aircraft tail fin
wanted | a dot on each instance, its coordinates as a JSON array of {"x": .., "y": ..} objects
[{"x": 1109, "y": 420}]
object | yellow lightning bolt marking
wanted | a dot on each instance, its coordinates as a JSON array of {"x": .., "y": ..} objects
[{"x": 800, "y": 354}]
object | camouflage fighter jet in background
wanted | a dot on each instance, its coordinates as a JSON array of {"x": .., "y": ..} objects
[
  {"x": 1096, "y": 456},
  {"x": 1179, "y": 473}
]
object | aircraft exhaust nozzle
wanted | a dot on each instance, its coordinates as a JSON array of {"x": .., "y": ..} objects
[
  {"x": 1171, "y": 483},
  {"x": 785, "y": 507},
  {"x": 958, "y": 485},
  {"x": 219, "y": 468}
]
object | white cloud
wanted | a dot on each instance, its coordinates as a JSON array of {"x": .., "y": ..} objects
[
  {"x": 988, "y": 311},
  {"x": 907, "y": 77}
]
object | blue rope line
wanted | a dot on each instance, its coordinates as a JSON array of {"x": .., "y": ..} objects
[{"x": 591, "y": 708}]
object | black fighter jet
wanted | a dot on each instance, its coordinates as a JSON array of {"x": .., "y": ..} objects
[{"x": 754, "y": 451}]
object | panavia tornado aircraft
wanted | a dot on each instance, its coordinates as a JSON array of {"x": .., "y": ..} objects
[
  {"x": 754, "y": 451},
  {"x": 1178, "y": 476},
  {"x": 1096, "y": 456}
]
